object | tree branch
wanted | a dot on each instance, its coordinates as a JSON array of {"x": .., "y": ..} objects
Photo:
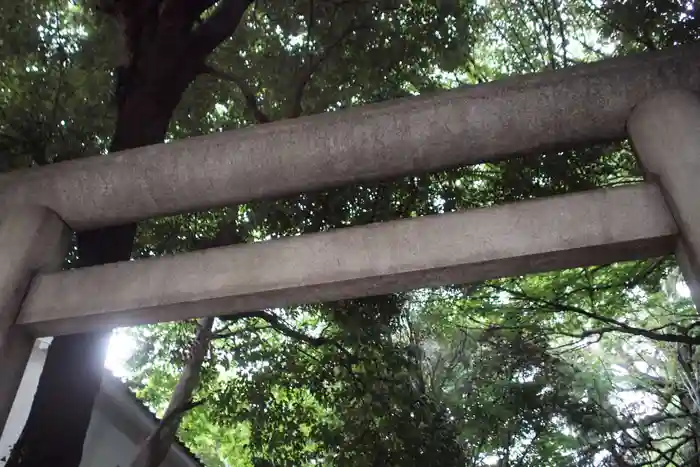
[
  {"x": 155, "y": 448},
  {"x": 219, "y": 26},
  {"x": 639, "y": 277},
  {"x": 248, "y": 93},
  {"x": 203, "y": 5},
  {"x": 619, "y": 326},
  {"x": 236, "y": 332},
  {"x": 283, "y": 328},
  {"x": 304, "y": 77},
  {"x": 288, "y": 331},
  {"x": 177, "y": 412}
]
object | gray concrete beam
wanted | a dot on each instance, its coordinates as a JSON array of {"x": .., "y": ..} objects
[
  {"x": 665, "y": 133},
  {"x": 561, "y": 109},
  {"x": 595, "y": 227},
  {"x": 32, "y": 239}
]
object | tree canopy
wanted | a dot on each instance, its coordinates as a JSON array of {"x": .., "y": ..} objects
[{"x": 583, "y": 367}]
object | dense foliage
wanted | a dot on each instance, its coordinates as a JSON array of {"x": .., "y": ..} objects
[{"x": 592, "y": 366}]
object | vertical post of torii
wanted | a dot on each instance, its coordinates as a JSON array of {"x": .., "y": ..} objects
[
  {"x": 665, "y": 133},
  {"x": 32, "y": 239}
]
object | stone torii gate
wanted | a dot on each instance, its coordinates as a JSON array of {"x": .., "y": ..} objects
[{"x": 648, "y": 97}]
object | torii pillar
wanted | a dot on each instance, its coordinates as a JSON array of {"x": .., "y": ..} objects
[
  {"x": 665, "y": 133},
  {"x": 32, "y": 239}
]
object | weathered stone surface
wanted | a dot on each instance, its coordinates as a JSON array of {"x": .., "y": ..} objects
[
  {"x": 562, "y": 109},
  {"x": 588, "y": 228},
  {"x": 665, "y": 132},
  {"x": 32, "y": 239}
]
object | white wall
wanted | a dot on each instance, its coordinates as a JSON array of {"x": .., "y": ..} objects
[
  {"x": 23, "y": 401},
  {"x": 106, "y": 446},
  {"x": 117, "y": 427}
]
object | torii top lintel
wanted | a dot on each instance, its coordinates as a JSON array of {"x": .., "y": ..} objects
[{"x": 562, "y": 109}]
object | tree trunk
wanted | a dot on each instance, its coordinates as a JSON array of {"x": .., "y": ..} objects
[{"x": 155, "y": 448}]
